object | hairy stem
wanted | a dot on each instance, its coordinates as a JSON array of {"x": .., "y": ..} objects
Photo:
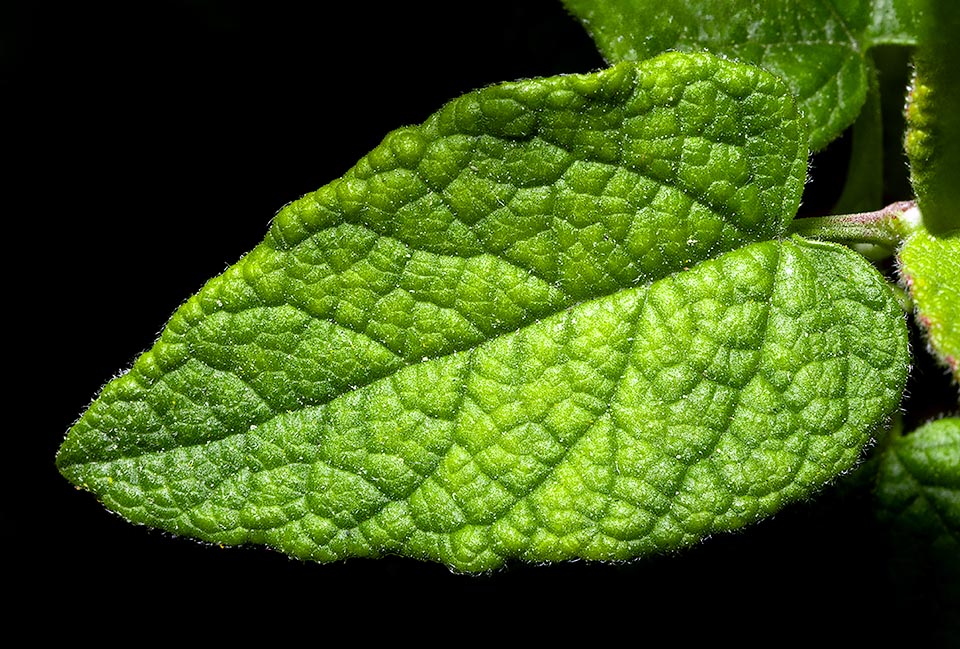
[{"x": 885, "y": 228}]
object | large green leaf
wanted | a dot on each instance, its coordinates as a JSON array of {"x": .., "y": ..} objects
[
  {"x": 527, "y": 328},
  {"x": 819, "y": 47}
]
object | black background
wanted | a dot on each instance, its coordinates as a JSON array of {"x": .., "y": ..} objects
[{"x": 150, "y": 146}]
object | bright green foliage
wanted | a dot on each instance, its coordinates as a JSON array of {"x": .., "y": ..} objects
[
  {"x": 530, "y": 327},
  {"x": 918, "y": 484},
  {"x": 933, "y": 117},
  {"x": 930, "y": 269},
  {"x": 819, "y": 47},
  {"x": 632, "y": 423}
]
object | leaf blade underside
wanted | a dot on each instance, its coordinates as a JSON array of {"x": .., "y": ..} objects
[
  {"x": 470, "y": 458},
  {"x": 929, "y": 267}
]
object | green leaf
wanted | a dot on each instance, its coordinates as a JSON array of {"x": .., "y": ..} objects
[
  {"x": 526, "y": 328},
  {"x": 918, "y": 485},
  {"x": 819, "y": 48},
  {"x": 930, "y": 269}
]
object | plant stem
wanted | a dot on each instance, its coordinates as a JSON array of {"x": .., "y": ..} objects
[
  {"x": 886, "y": 228},
  {"x": 863, "y": 188}
]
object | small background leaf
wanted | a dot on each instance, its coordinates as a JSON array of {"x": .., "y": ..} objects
[
  {"x": 918, "y": 485},
  {"x": 819, "y": 48},
  {"x": 930, "y": 269}
]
